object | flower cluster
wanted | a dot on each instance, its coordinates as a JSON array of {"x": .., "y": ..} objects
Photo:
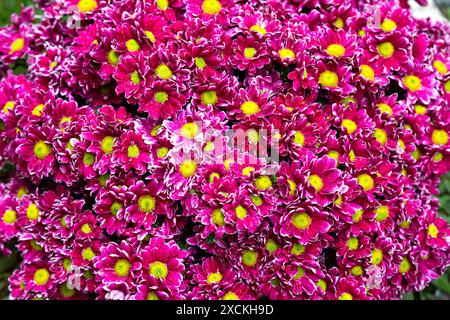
[{"x": 101, "y": 101}]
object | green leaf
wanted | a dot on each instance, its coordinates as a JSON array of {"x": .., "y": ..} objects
[
  {"x": 443, "y": 284},
  {"x": 408, "y": 296},
  {"x": 7, "y": 262}
]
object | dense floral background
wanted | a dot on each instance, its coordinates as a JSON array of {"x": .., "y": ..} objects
[{"x": 438, "y": 289}]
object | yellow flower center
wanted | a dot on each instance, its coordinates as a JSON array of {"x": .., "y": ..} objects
[
  {"x": 190, "y": 130},
  {"x": 413, "y": 83},
  {"x": 247, "y": 171},
  {"x": 86, "y": 228},
  {"x": 135, "y": 78},
  {"x": 107, "y": 144},
  {"x": 212, "y": 7},
  {"x": 241, "y": 212},
  {"x": 87, "y": 5},
  {"x": 405, "y": 265},
  {"x": 132, "y": 45},
  {"x": 388, "y": 25},
  {"x": 263, "y": 183},
  {"x": 377, "y": 256},
  {"x": 292, "y": 187},
  {"x": 152, "y": 296},
  {"x": 161, "y": 97},
  {"x": 115, "y": 207},
  {"x": 218, "y": 218},
  {"x": 113, "y": 58},
  {"x": 385, "y": 108},
  {"x": 150, "y": 36},
  {"x": 286, "y": 53},
  {"x": 357, "y": 216},
  {"x": 230, "y": 296},
  {"x": 162, "y": 152},
  {"x": 41, "y": 150},
  {"x": 350, "y": 125},
  {"x": 162, "y": 4},
  {"x": 353, "y": 243},
  {"x": 367, "y": 72},
  {"x": 17, "y": 45},
  {"x": 297, "y": 249},
  {"x": 329, "y": 79},
  {"x": 146, "y": 203},
  {"x": 322, "y": 284},
  {"x": 122, "y": 268},
  {"x": 381, "y": 213},
  {"x": 88, "y": 158},
  {"x": 438, "y": 157},
  {"x": 133, "y": 151},
  {"x": 419, "y": 109},
  {"x": 9, "y": 216},
  {"x": 271, "y": 245},
  {"x": 214, "y": 277},
  {"x": 339, "y": 23},
  {"x": 164, "y": 72},
  {"x": 316, "y": 182},
  {"x": 250, "y": 108},
  {"x": 257, "y": 200},
  {"x": 200, "y": 62},
  {"x": 209, "y": 97},
  {"x": 298, "y": 138},
  {"x": 188, "y": 168},
  {"x": 41, "y": 276},
  {"x": 32, "y": 212},
  {"x": 440, "y": 67},
  {"x": 301, "y": 221},
  {"x": 8, "y": 107},
  {"x": 357, "y": 271},
  {"x": 365, "y": 181},
  {"x": 439, "y": 137},
  {"x": 346, "y": 296},
  {"x": 433, "y": 231},
  {"x": 380, "y": 135},
  {"x": 300, "y": 273},
  {"x": 38, "y": 110},
  {"x": 159, "y": 270},
  {"x": 447, "y": 86},
  {"x": 385, "y": 49},
  {"x": 250, "y": 258},
  {"x": 335, "y": 50},
  {"x": 257, "y": 28},
  {"x": 249, "y": 52},
  {"x": 88, "y": 254}
]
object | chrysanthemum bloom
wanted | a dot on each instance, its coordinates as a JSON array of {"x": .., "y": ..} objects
[
  {"x": 117, "y": 264},
  {"x": 304, "y": 223},
  {"x": 163, "y": 261},
  {"x": 147, "y": 203},
  {"x": 132, "y": 152},
  {"x": 323, "y": 180},
  {"x": 131, "y": 75},
  {"x": 36, "y": 151}
]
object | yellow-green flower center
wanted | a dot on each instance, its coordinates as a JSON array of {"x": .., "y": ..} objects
[
  {"x": 132, "y": 45},
  {"x": 263, "y": 183},
  {"x": 32, "y": 212},
  {"x": 353, "y": 243},
  {"x": 161, "y": 97},
  {"x": 214, "y": 277},
  {"x": 377, "y": 256},
  {"x": 439, "y": 137},
  {"x": 365, "y": 181},
  {"x": 250, "y": 258},
  {"x": 147, "y": 203},
  {"x": 388, "y": 25},
  {"x": 122, "y": 268},
  {"x": 190, "y": 130},
  {"x": 135, "y": 78},
  {"x": 241, "y": 212},
  {"x": 249, "y": 52},
  {"x": 209, "y": 97},
  {"x": 413, "y": 83},
  {"x": 350, "y": 125},
  {"x": 41, "y": 150},
  {"x": 335, "y": 50},
  {"x": 211, "y": 7},
  {"x": 88, "y": 254},
  {"x": 9, "y": 216},
  {"x": 188, "y": 168},
  {"x": 41, "y": 276},
  {"x": 133, "y": 151},
  {"x": 113, "y": 58},
  {"x": 87, "y": 5},
  {"x": 386, "y": 49},
  {"x": 218, "y": 218},
  {"x": 107, "y": 144},
  {"x": 16, "y": 45},
  {"x": 115, "y": 207},
  {"x": 249, "y": 108},
  {"x": 158, "y": 270},
  {"x": 301, "y": 221},
  {"x": 286, "y": 53},
  {"x": 316, "y": 182},
  {"x": 329, "y": 79},
  {"x": 88, "y": 158},
  {"x": 164, "y": 72},
  {"x": 367, "y": 72}
]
